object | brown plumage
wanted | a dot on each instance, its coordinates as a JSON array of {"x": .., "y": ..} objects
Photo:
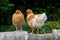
[
  {"x": 35, "y": 20},
  {"x": 18, "y": 19}
]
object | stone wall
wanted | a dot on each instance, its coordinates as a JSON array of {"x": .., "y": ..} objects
[{"x": 24, "y": 35}]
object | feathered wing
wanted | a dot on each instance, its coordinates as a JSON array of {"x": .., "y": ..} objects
[
  {"x": 41, "y": 19},
  {"x": 31, "y": 20}
]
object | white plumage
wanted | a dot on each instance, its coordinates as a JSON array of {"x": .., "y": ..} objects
[{"x": 38, "y": 20}]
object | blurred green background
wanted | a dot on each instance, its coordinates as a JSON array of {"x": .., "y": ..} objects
[{"x": 50, "y": 7}]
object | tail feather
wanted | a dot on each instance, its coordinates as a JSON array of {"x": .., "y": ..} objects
[{"x": 43, "y": 17}]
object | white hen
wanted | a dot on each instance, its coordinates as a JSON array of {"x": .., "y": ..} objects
[{"x": 35, "y": 20}]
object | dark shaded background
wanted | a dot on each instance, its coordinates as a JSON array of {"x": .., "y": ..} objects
[{"x": 8, "y": 7}]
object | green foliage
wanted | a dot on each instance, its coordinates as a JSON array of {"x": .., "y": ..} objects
[
  {"x": 54, "y": 25},
  {"x": 8, "y": 7},
  {"x": 47, "y": 27},
  {"x": 4, "y": 28},
  {"x": 5, "y": 5},
  {"x": 5, "y": 11},
  {"x": 53, "y": 13}
]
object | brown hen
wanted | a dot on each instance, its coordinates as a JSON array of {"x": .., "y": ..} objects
[{"x": 18, "y": 19}]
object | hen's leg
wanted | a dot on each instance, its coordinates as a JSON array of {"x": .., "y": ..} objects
[
  {"x": 21, "y": 28},
  {"x": 37, "y": 30},
  {"x": 32, "y": 30},
  {"x": 16, "y": 28}
]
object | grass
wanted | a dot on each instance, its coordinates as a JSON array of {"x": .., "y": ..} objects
[{"x": 47, "y": 28}]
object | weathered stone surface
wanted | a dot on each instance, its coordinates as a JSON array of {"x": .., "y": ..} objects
[
  {"x": 24, "y": 35},
  {"x": 16, "y": 35},
  {"x": 40, "y": 37},
  {"x": 55, "y": 35}
]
